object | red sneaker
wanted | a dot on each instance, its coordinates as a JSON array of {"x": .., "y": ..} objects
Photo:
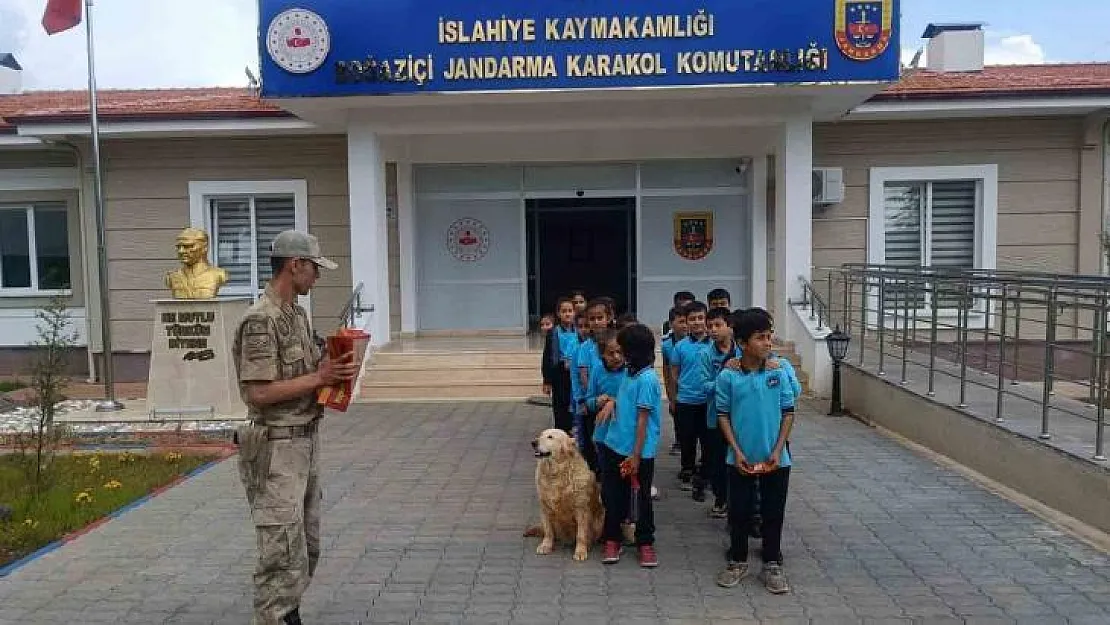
[
  {"x": 647, "y": 556},
  {"x": 611, "y": 552}
]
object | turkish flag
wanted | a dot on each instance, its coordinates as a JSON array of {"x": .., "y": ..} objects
[{"x": 61, "y": 15}]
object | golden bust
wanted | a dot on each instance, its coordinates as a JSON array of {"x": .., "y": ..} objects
[{"x": 196, "y": 279}]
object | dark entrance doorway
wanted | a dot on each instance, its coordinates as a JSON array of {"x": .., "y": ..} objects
[{"x": 580, "y": 243}]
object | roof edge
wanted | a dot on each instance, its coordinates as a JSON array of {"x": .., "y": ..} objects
[
  {"x": 938, "y": 95},
  {"x": 70, "y": 118}
]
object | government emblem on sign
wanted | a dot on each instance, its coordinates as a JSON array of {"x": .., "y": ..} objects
[
  {"x": 863, "y": 27},
  {"x": 468, "y": 239},
  {"x": 693, "y": 234},
  {"x": 298, "y": 40}
]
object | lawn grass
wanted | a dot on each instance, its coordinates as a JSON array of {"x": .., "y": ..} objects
[
  {"x": 7, "y": 386},
  {"x": 84, "y": 487}
]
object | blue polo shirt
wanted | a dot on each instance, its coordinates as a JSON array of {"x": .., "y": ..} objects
[
  {"x": 588, "y": 357},
  {"x": 790, "y": 371},
  {"x": 755, "y": 402},
  {"x": 568, "y": 343},
  {"x": 603, "y": 381},
  {"x": 789, "y": 368},
  {"x": 712, "y": 361},
  {"x": 639, "y": 390},
  {"x": 691, "y": 376},
  {"x": 666, "y": 347}
]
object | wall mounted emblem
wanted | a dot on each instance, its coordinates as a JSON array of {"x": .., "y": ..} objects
[
  {"x": 863, "y": 27},
  {"x": 298, "y": 40},
  {"x": 468, "y": 239},
  {"x": 693, "y": 234}
]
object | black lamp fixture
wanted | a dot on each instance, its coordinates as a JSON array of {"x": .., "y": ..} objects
[{"x": 837, "y": 342}]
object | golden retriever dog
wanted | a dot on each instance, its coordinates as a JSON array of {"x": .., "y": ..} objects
[{"x": 570, "y": 498}]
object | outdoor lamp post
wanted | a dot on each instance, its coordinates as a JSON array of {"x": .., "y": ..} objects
[{"x": 837, "y": 343}]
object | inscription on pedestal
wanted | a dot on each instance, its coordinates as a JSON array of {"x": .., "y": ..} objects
[{"x": 190, "y": 331}]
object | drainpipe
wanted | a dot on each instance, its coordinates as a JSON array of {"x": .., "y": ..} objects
[
  {"x": 87, "y": 283},
  {"x": 1105, "y": 191}
]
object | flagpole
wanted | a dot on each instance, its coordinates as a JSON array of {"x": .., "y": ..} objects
[{"x": 109, "y": 403}]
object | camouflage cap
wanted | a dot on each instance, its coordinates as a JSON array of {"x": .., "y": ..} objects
[{"x": 296, "y": 244}]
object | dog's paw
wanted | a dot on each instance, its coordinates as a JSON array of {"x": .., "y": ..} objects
[
  {"x": 544, "y": 549},
  {"x": 580, "y": 554}
]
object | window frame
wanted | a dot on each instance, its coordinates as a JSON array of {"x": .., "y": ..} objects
[
  {"x": 986, "y": 225},
  {"x": 32, "y": 251},
  {"x": 201, "y": 194}
]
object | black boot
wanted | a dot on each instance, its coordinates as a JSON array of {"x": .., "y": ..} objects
[{"x": 294, "y": 617}]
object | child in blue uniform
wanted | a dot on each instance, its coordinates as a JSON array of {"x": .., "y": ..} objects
[
  {"x": 628, "y": 445},
  {"x": 561, "y": 344},
  {"x": 604, "y": 384},
  {"x": 677, "y": 332},
  {"x": 687, "y": 395},
  {"x": 755, "y": 407},
  {"x": 723, "y": 349},
  {"x": 588, "y": 357}
]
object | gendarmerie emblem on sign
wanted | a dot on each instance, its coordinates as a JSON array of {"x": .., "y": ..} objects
[
  {"x": 468, "y": 239},
  {"x": 298, "y": 40},
  {"x": 693, "y": 234},
  {"x": 863, "y": 27}
]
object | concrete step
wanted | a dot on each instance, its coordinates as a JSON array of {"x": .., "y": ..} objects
[
  {"x": 455, "y": 359},
  {"x": 433, "y": 390},
  {"x": 390, "y": 374}
]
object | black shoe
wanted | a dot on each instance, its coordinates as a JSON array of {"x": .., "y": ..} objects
[
  {"x": 698, "y": 494},
  {"x": 294, "y": 617}
]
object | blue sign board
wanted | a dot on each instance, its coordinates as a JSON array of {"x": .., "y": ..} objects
[{"x": 371, "y": 47}]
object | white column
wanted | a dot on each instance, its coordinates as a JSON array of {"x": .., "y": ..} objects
[
  {"x": 758, "y": 195},
  {"x": 793, "y": 212},
  {"x": 369, "y": 233},
  {"x": 406, "y": 230}
]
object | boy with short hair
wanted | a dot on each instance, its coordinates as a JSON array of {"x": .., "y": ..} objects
[
  {"x": 677, "y": 320},
  {"x": 687, "y": 392},
  {"x": 722, "y": 349},
  {"x": 755, "y": 408},
  {"x": 679, "y": 300},
  {"x": 718, "y": 298}
]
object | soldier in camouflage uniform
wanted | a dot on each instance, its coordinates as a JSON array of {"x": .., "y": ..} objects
[{"x": 279, "y": 367}]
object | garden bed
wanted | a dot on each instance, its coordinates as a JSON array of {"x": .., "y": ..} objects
[{"x": 83, "y": 487}]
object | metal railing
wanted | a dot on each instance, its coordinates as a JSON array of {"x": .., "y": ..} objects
[
  {"x": 1028, "y": 348},
  {"x": 353, "y": 307},
  {"x": 819, "y": 310}
]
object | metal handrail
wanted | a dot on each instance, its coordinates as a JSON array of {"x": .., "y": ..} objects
[
  {"x": 819, "y": 310},
  {"x": 352, "y": 307},
  {"x": 984, "y": 329}
]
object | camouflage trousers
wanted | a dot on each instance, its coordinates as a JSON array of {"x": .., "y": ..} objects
[{"x": 285, "y": 509}]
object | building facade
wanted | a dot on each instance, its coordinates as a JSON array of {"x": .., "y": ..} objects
[{"x": 466, "y": 198}]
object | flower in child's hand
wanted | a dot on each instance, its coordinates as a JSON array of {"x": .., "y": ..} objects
[{"x": 630, "y": 466}]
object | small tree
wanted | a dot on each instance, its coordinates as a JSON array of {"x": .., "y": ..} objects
[{"x": 48, "y": 378}]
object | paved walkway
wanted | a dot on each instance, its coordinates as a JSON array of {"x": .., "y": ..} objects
[{"x": 425, "y": 506}]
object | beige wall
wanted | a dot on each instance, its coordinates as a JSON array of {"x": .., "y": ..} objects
[
  {"x": 1038, "y": 181},
  {"x": 24, "y": 159},
  {"x": 1038, "y": 163},
  {"x": 147, "y": 204}
]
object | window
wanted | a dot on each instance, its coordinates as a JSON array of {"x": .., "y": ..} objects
[
  {"x": 241, "y": 233},
  {"x": 943, "y": 217},
  {"x": 34, "y": 249},
  {"x": 242, "y": 218}
]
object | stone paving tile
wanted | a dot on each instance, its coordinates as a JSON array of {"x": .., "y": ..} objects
[{"x": 425, "y": 505}]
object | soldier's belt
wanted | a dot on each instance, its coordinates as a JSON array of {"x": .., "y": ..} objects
[{"x": 279, "y": 432}]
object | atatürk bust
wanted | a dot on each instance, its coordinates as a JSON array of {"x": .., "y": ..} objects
[{"x": 196, "y": 279}]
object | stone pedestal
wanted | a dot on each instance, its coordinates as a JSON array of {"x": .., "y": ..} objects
[{"x": 192, "y": 375}]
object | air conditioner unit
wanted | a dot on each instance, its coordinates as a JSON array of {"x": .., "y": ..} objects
[{"x": 828, "y": 185}]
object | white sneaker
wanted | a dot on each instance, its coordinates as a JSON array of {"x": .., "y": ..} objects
[{"x": 654, "y": 493}]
